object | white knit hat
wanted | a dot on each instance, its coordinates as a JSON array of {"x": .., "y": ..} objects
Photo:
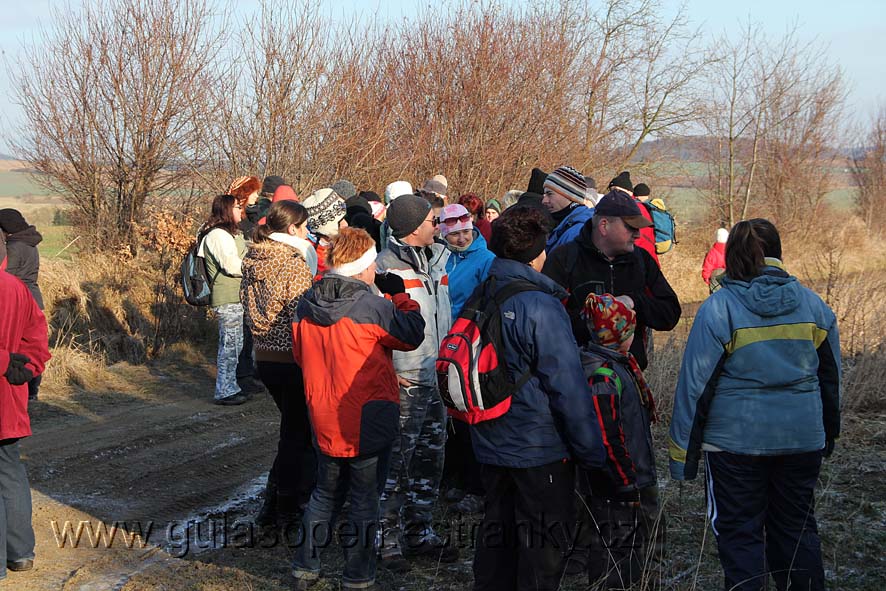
[
  {"x": 396, "y": 189},
  {"x": 325, "y": 210},
  {"x": 722, "y": 235}
]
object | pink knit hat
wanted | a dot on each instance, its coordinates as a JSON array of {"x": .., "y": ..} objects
[{"x": 453, "y": 218}]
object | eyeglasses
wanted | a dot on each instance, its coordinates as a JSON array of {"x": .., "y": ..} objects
[
  {"x": 463, "y": 219},
  {"x": 434, "y": 220}
]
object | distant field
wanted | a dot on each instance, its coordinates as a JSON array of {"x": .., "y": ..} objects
[{"x": 19, "y": 184}]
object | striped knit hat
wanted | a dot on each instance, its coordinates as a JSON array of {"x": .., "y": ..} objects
[{"x": 567, "y": 182}]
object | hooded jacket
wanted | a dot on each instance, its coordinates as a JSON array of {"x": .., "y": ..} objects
[
  {"x": 275, "y": 275},
  {"x": 582, "y": 269},
  {"x": 343, "y": 341},
  {"x": 551, "y": 416},
  {"x": 23, "y": 259},
  {"x": 567, "y": 230},
  {"x": 467, "y": 269},
  {"x": 22, "y": 330},
  {"x": 761, "y": 373},
  {"x": 423, "y": 271},
  {"x": 715, "y": 259}
]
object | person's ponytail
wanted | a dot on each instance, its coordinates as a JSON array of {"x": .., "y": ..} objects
[{"x": 749, "y": 243}]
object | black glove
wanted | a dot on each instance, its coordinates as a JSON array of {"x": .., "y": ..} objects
[
  {"x": 828, "y": 448},
  {"x": 17, "y": 374},
  {"x": 389, "y": 283}
]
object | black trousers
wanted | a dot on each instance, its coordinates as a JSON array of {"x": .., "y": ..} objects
[
  {"x": 245, "y": 365},
  {"x": 762, "y": 513},
  {"x": 461, "y": 468},
  {"x": 295, "y": 467},
  {"x": 528, "y": 528}
]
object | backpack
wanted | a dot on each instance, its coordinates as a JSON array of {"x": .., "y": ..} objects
[
  {"x": 471, "y": 371},
  {"x": 195, "y": 282},
  {"x": 664, "y": 224}
]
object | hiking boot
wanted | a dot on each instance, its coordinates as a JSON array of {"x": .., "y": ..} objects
[
  {"x": 238, "y": 398},
  {"x": 471, "y": 504},
  {"x": 395, "y": 563},
  {"x": 251, "y": 387},
  {"x": 20, "y": 564}
]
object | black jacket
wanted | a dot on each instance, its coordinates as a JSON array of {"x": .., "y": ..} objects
[
  {"x": 23, "y": 260},
  {"x": 582, "y": 269}
]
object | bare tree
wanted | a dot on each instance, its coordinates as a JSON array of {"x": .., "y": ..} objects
[
  {"x": 869, "y": 172},
  {"x": 770, "y": 113},
  {"x": 108, "y": 96}
]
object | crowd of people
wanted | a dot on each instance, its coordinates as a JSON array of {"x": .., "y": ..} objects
[
  {"x": 341, "y": 299},
  {"x": 336, "y": 304}
]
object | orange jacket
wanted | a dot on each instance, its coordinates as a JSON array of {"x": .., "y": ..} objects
[{"x": 343, "y": 340}]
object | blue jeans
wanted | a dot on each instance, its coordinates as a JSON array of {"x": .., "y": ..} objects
[
  {"x": 16, "y": 533},
  {"x": 363, "y": 479},
  {"x": 230, "y": 343}
]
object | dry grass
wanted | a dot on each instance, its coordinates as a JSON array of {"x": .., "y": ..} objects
[{"x": 103, "y": 310}]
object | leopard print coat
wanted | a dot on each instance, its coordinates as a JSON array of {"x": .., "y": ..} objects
[{"x": 275, "y": 275}]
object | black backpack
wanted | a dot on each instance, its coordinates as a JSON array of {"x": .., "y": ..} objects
[
  {"x": 195, "y": 281},
  {"x": 472, "y": 374}
]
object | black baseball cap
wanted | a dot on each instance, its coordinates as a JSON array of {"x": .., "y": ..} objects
[{"x": 618, "y": 204}]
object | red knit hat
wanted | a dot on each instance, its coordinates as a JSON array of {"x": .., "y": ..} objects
[{"x": 610, "y": 321}]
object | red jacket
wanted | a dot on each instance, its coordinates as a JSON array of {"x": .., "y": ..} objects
[
  {"x": 22, "y": 330},
  {"x": 715, "y": 259},
  {"x": 343, "y": 342},
  {"x": 646, "y": 241}
]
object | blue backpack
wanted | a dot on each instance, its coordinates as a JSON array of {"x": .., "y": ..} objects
[{"x": 664, "y": 224}]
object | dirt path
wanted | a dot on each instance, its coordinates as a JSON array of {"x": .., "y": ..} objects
[{"x": 148, "y": 460}]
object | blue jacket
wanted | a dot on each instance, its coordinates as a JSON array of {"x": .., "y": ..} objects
[
  {"x": 552, "y": 416},
  {"x": 568, "y": 229},
  {"x": 760, "y": 375},
  {"x": 467, "y": 270}
]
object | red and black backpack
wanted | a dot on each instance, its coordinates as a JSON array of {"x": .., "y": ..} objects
[{"x": 472, "y": 373}]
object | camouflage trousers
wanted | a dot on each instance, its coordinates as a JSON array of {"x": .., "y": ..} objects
[{"x": 416, "y": 468}]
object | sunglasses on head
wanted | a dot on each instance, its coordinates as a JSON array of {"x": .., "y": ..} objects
[{"x": 460, "y": 219}]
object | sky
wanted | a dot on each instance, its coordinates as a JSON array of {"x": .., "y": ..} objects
[{"x": 853, "y": 31}]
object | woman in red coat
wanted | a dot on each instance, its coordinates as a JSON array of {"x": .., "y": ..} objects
[
  {"x": 24, "y": 351},
  {"x": 715, "y": 260}
]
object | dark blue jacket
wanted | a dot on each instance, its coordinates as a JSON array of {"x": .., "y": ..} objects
[{"x": 552, "y": 416}]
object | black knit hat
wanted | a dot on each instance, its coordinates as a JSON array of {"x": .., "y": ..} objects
[
  {"x": 270, "y": 184},
  {"x": 642, "y": 190},
  {"x": 370, "y": 196},
  {"x": 12, "y": 221},
  {"x": 622, "y": 181},
  {"x": 537, "y": 181},
  {"x": 406, "y": 213}
]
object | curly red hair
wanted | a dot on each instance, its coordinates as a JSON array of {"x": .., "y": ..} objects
[{"x": 244, "y": 186}]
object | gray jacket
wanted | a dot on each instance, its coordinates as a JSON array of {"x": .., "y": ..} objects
[{"x": 423, "y": 271}]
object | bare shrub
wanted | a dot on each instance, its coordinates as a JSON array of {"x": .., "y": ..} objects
[{"x": 108, "y": 97}]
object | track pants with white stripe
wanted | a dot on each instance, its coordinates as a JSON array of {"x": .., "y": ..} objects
[{"x": 762, "y": 513}]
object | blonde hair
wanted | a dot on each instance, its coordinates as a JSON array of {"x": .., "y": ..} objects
[{"x": 348, "y": 246}]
